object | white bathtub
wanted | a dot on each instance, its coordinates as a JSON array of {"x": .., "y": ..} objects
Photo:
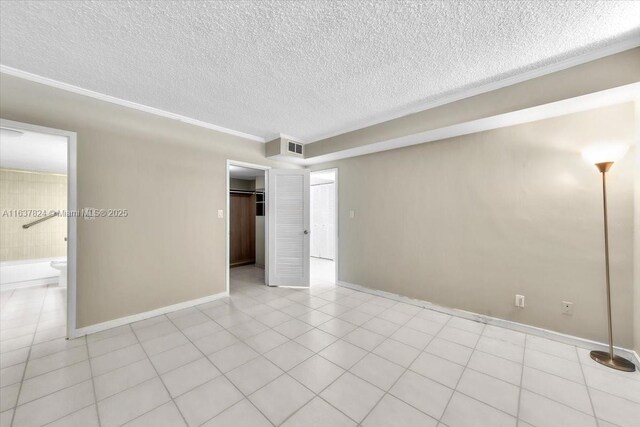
[{"x": 28, "y": 272}]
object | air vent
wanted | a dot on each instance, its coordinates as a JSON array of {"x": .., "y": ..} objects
[{"x": 295, "y": 147}]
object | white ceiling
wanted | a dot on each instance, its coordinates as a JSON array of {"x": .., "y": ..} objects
[
  {"x": 308, "y": 69},
  {"x": 239, "y": 172},
  {"x": 34, "y": 152}
]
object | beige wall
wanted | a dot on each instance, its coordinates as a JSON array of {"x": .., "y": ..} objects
[
  {"x": 606, "y": 73},
  {"x": 471, "y": 221},
  {"x": 242, "y": 184},
  {"x": 26, "y": 190},
  {"x": 171, "y": 176}
]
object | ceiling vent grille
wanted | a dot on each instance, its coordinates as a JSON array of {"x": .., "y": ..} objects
[{"x": 295, "y": 147}]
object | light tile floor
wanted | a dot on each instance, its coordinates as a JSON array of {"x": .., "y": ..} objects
[
  {"x": 323, "y": 272},
  {"x": 325, "y": 356}
]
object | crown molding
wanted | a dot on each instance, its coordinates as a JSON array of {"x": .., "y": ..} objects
[
  {"x": 630, "y": 42},
  {"x": 627, "y": 43},
  {"x": 122, "y": 102}
]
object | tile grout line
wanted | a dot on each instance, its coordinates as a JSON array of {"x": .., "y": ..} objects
[
  {"x": 573, "y": 382},
  {"x": 121, "y": 367},
  {"x": 530, "y": 391},
  {"x": 586, "y": 384},
  {"x": 319, "y": 355},
  {"x": 480, "y": 335},
  {"x": 55, "y": 391},
  {"x": 327, "y": 386},
  {"x": 444, "y": 411},
  {"x": 64, "y": 388},
  {"x": 74, "y": 412},
  {"x": 520, "y": 387},
  {"x": 298, "y": 301},
  {"x": 441, "y": 327},
  {"x": 386, "y": 392},
  {"x": 524, "y": 351},
  {"x": 15, "y": 408},
  {"x": 157, "y": 376},
  {"x": 367, "y": 352},
  {"x": 314, "y": 354},
  {"x": 93, "y": 384},
  {"x": 222, "y": 374},
  {"x": 56, "y": 352}
]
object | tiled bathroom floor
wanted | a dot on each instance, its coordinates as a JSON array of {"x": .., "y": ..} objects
[{"x": 320, "y": 357}]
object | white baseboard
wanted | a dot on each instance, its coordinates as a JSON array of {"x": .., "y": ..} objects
[
  {"x": 507, "y": 324},
  {"x": 29, "y": 283},
  {"x": 98, "y": 327}
]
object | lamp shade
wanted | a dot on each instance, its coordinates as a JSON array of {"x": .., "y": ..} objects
[{"x": 606, "y": 151}]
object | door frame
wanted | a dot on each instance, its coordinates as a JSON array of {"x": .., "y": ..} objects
[
  {"x": 336, "y": 259},
  {"x": 227, "y": 220},
  {"x": 72, "y": 207}
]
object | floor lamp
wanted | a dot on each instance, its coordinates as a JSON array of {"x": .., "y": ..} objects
[{"x": 603, "y": 156}]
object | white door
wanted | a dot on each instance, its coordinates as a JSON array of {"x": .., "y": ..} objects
[
  {"x": 289, "y": 217},
  {"x": 323, "y": 221}
]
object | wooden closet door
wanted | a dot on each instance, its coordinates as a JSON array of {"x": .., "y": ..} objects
[{"x": 242, "y": 223}]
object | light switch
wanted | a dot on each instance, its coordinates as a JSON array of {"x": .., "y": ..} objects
[
  {"x": 220, "y": 213},
  {"x": 352, "y": 214}
]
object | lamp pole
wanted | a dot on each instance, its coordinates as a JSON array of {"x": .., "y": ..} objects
[{"x": 602, "y": 357}]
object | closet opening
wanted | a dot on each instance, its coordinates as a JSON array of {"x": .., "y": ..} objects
[{"x": 246, "y": 223}]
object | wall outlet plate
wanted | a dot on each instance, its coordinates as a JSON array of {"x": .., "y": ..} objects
[
  {"x": 519, "y": 301},
  {"x": 567, "y": 307},
  {"x": 220, "y": 213}
]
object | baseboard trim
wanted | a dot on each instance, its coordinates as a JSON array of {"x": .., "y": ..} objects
[
  {"x": 98, "y": 327},
  {"x": 29, "y": 283},
  {"x": 507, "y": 324}
]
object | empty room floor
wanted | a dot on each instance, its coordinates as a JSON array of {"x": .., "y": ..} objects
[{"x": 278, "y": 356}]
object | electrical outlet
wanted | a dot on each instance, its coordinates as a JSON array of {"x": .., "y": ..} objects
[
  {"x": 520, "y": 301},
  {"x": 352, "y": 214},
  {"x": 220, "y": 213},
  {"x": 567, "y": 308}
]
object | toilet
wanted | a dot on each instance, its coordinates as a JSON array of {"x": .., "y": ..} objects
[{"x": 61, "y": 266}]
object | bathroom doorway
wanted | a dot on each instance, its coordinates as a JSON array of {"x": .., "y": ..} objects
[{"x": 38, "y": 226}]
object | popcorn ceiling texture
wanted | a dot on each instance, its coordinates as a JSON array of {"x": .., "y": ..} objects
[{"x": 306, "y": 68}]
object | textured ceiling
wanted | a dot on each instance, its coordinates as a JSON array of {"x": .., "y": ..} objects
[{"x": 306, "y": 68}]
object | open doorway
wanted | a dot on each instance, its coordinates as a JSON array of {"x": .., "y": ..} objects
[
  {"x": 246, "y": 225},
  {"x": 38, "y": 229},
  {"x": 324, "y": 227}
]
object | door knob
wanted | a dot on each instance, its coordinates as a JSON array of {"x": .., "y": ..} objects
[{"x": 306, "y": 231}]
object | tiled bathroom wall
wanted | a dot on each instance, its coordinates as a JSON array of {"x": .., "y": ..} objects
[{"x": 24, "y": 190}]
